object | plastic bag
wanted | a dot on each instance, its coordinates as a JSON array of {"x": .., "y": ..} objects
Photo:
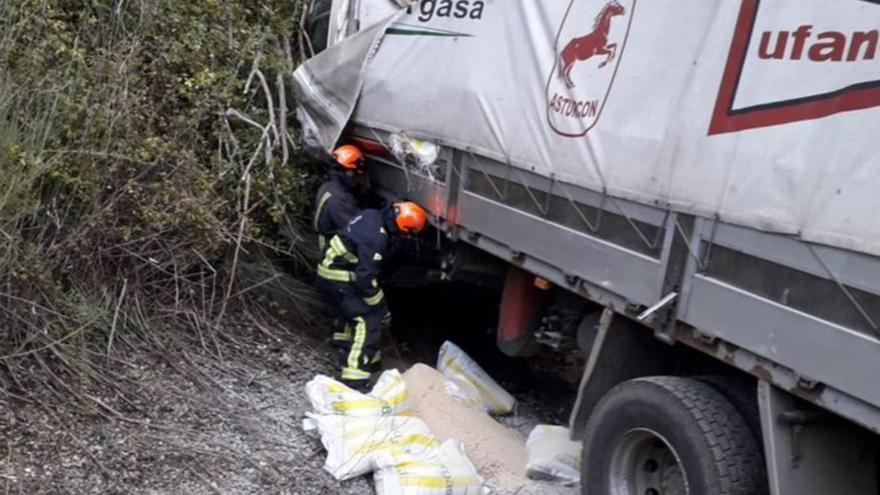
[
  {"x": 553, "y": 455},
  {"x": 449, "y": 472},
  {"x": 360, "y": 445},
  {"x": 388, "y": 397},
  {"x": 465, "y": 375},
  {"x": 465, "y": 391},
  {"x": 416, "y": 154}
]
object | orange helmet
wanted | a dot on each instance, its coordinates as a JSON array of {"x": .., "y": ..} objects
[
  {"x": 410, "y": 217},
  {"x": 349, "y": 157}
]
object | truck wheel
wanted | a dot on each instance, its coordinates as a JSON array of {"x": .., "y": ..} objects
[
  {"x": 669, "y": 436},
  {"x": 742, "y": 393}
]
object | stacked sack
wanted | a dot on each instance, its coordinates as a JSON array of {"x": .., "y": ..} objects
[
  {"x": 553, "y": 455},
  {"x": 388, "y": 397},
  {"x": 374, "y": 432},
  {"x": 468, "y": 382},
  {"x": 449, "y": 471}
]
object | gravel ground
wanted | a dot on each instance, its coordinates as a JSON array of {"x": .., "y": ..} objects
[
  {"x": 226, "y": 421},
  {"x": 202, "y": 424}
]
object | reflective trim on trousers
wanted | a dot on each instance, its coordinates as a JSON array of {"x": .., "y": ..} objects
[
  {"x": 344, "y": 336},
  {"x": 354, "y": 374},
  {"x": 357, "y": 347}
]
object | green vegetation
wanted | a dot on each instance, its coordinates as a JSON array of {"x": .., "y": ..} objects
[{"x": 145, "y": 161}]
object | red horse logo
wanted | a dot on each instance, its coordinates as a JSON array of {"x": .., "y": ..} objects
[{"x": 595, "y": 43}]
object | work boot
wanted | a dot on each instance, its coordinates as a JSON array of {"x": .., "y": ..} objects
[
  {"x": 373, "y": 367},
  {"x": 372, "y": 364},
  {"x": 339, "y": 356}
]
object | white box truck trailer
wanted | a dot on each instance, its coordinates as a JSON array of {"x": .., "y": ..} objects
[{"x": 696, "y": 181}]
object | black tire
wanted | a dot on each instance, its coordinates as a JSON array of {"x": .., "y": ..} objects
[
  {"x": 742, "y": 393},
  {"x": 705, "y": 443}
]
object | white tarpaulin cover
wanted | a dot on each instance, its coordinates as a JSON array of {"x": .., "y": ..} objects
[{"x": 764, "y": 113}]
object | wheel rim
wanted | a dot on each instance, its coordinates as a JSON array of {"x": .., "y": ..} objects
[{"x": 644, "y": 463}]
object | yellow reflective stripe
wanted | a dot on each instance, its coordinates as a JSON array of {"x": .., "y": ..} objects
[
  {"x": 486, "y": 393},
  {"x": 439, "y": 482},
  {"x": 321, "y": 202},
  {"x": 352, "y": 374},
  {"x": 329, "y": 256},
  {"x": 358, "y": 404},
  {"x": 322, "y": 242},
  {"x": 345, "y": 334},
  {"x": 398, "y": 399},
  {"x": 339, "y": 249},
  {"x": 336, "y": 243},
  {"x": 337, "y": 388},
  {"x": 365, "y": 403},
  {"x": 335, "y": 275},
  {"x": 375, "y": 299},
  {"x": 333, "y": 252},
  {"x": 414, "y": 439},
  {"x": 405, "y": 465},
  {"x": 357, "y": 345}
]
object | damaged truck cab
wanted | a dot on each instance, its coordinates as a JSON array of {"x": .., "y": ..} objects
[{"x": 706, "y": 233}]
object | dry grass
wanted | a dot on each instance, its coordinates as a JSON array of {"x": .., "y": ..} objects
[{"x": 148, "y": 174}]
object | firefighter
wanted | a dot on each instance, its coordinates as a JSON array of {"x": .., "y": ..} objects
[
  {"x": 337, "y": 198},
  {"x": 337, "y": 203},
  {"x": 349, "y": 273}
]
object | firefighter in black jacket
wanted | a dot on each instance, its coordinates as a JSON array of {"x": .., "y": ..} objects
[
  {"x": 336, "y": 204},
  {"x": 337, "y": 198},
  {"x": 350, "y": 271}
]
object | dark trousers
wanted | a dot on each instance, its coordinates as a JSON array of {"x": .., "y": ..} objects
[
  {"x": 361, "y": 354},
  {"x": 341, "y": 335}
]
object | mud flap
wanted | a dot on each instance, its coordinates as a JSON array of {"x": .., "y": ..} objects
[
  {"x": 520, "y": 312},
  {"x": 620, "y": 350}
]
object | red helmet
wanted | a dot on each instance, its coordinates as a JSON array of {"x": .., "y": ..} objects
[
  {"x": 410, "y": 217},
  {"x": 349, "y": 157}
]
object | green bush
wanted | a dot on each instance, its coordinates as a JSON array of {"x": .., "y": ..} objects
[{"x": 129, "y": 189}]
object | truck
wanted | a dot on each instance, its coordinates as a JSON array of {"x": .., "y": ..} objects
[{"x": 687, "y": 189}]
